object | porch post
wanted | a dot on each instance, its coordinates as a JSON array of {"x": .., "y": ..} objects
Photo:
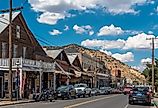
[
  {"x": 21, "y": 84},
  {"x": 54, "y": 77},
  {"x": 54, "y": 81},
  {"x": 67, "y": 82},
  {"x": 41, "y": 73}
]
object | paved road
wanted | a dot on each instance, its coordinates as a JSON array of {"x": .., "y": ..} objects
[{"x": 108, "y": 101}]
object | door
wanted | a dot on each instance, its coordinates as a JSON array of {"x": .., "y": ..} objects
[{"x": 1, "y": 86}]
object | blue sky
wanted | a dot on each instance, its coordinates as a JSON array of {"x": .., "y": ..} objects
[{"x": 116, "y": 27}]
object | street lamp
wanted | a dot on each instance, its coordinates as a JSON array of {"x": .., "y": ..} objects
[{"x": 17, "y": 79}]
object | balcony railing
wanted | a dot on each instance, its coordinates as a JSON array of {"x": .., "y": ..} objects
[{"x": 25, "y": 63}]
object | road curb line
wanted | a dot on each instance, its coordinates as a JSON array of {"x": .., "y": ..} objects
[{"x": 15, "y": 103}]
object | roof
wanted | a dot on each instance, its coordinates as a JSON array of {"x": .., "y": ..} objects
[
  {"x": 4, "y": 20},
  {"x": 71, "y": 58},
  {"x": 53, "y": 53}
]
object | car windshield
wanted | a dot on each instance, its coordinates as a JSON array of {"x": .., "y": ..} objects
[
  {"x": 80, "y": 85},
  {"x": 140, "y": 89},
  {"x": 62, "y": 88},
  {"x": 93, "y": 89}
]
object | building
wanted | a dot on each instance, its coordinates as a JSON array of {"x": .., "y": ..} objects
[{"x": 30, "y": 62}]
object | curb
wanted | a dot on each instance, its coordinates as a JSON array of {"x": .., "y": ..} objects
[{"x": 16, "y": 103}]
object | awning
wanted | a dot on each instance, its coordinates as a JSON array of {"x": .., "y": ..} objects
[{"x": 101, "y": 74}]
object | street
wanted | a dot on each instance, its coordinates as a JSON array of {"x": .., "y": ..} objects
[{"x": 104, "y": 101}]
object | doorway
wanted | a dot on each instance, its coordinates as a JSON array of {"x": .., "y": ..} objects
[{"x": 1, "y": 87}]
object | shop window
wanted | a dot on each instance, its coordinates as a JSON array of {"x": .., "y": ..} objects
[
  {"x": 15, "y": 49},
  {"x": 24, "y": 52},
  {"x": 4, "y": 49},
  {"x": 6, "y": 85},
  {"x": 18, "y": 31}
]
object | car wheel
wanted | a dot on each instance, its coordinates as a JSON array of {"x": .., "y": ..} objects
[
  {"x": 84, "y": 95},
  {"x": 89, "y": 94},
  {"x": 149, "y": 103},
  {"x": 69, "y": 96},
  {"x": 130, "y": 102}
]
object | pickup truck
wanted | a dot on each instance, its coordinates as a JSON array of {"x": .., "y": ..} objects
[{"x": 82, "y": 90}]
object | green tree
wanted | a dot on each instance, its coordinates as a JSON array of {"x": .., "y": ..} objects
[{"x": 148, "y": 73}]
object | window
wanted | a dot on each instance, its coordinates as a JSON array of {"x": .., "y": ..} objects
[
  {"x": 61, "y": 56},
  {"x": 15, "y": 48},
  {"x": 4, "y": 49},
  {"x": 18, "y": 31},
  {"x": 24, "y": 52}
]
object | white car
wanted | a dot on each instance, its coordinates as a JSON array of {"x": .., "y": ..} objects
[{"x": 82, "y": 90}]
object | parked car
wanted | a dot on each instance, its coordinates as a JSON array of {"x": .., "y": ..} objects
[
  {"x": 65, "y": 92},
  {"x": 116, "y": 91},
  {"x": 127, "y": 90},
  {"x": 103, "y": 90},
  {"x": 140, "y": 95},
  {"x": 95, "y": 91},
  {"x": 109, "y": 89},
  {"x": 82, "y": 90}
]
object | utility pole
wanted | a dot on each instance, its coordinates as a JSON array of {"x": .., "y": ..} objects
[
  {"x": 153, "y": 61},
  {"x": 10, "y": 52},
  {"x": 10, "y": 10}
]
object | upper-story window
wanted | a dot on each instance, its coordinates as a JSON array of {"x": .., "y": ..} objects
[
  {"x": 24, "y": 52},
  {"x": 4, "y": 49},
  {"x": 18, "y": 31},
  {"x": 15, "y": 50},
  {"x": 61, "y": 56}
]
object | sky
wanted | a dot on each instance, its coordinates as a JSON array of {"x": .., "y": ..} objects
[{"x": 119, "y": 28}]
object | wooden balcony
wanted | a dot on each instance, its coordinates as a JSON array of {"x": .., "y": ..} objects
[{"x": 26, "y": 65}]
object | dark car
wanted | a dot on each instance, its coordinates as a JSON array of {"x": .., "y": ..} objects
[
  {"x": 65, "y": 92},
  {"x": 140, "y": 95}
]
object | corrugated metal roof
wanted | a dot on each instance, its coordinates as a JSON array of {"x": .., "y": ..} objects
[{"x": 4, "y": 20}]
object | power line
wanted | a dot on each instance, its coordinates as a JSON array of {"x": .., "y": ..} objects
[{"x": 45, "y": 41}]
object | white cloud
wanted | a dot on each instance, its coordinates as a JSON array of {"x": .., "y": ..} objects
[
  {"x": 61, "y": 8},
  {"x": 55, "y": 32},
  {"x": 157, "y": 9},
  {"x": 91, "y": 33},
  {"x": 139, "y": 41},
  {"x": 139, "y": 67},
  {"x": 150, "y": 32},
  {"x": 114, "y": 30},
  {"x": 151, "y": 1},
  {"x": 106, "y": 52},
  {"x": 146, "y": 60},
  {"x": 50, "y": 18},
  {"x": 83, "y": 29},
  {"x": 110, "y": 30},
  {"x": 103, "y": 44},
  {"x": 127, "y": 57},
  {"x": 66, "y": 28}
]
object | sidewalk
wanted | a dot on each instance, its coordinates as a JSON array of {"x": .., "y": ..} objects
[
  {"x": 5, "y": 103},
  {"x": 155, "y": 101}
]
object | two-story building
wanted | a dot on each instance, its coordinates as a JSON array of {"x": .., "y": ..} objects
[{"x": 30, "y": 63}]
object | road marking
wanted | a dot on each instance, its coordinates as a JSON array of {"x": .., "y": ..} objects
[
  {"x": 90, "y": 101},
  {"x": 126, "y": 106}
]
